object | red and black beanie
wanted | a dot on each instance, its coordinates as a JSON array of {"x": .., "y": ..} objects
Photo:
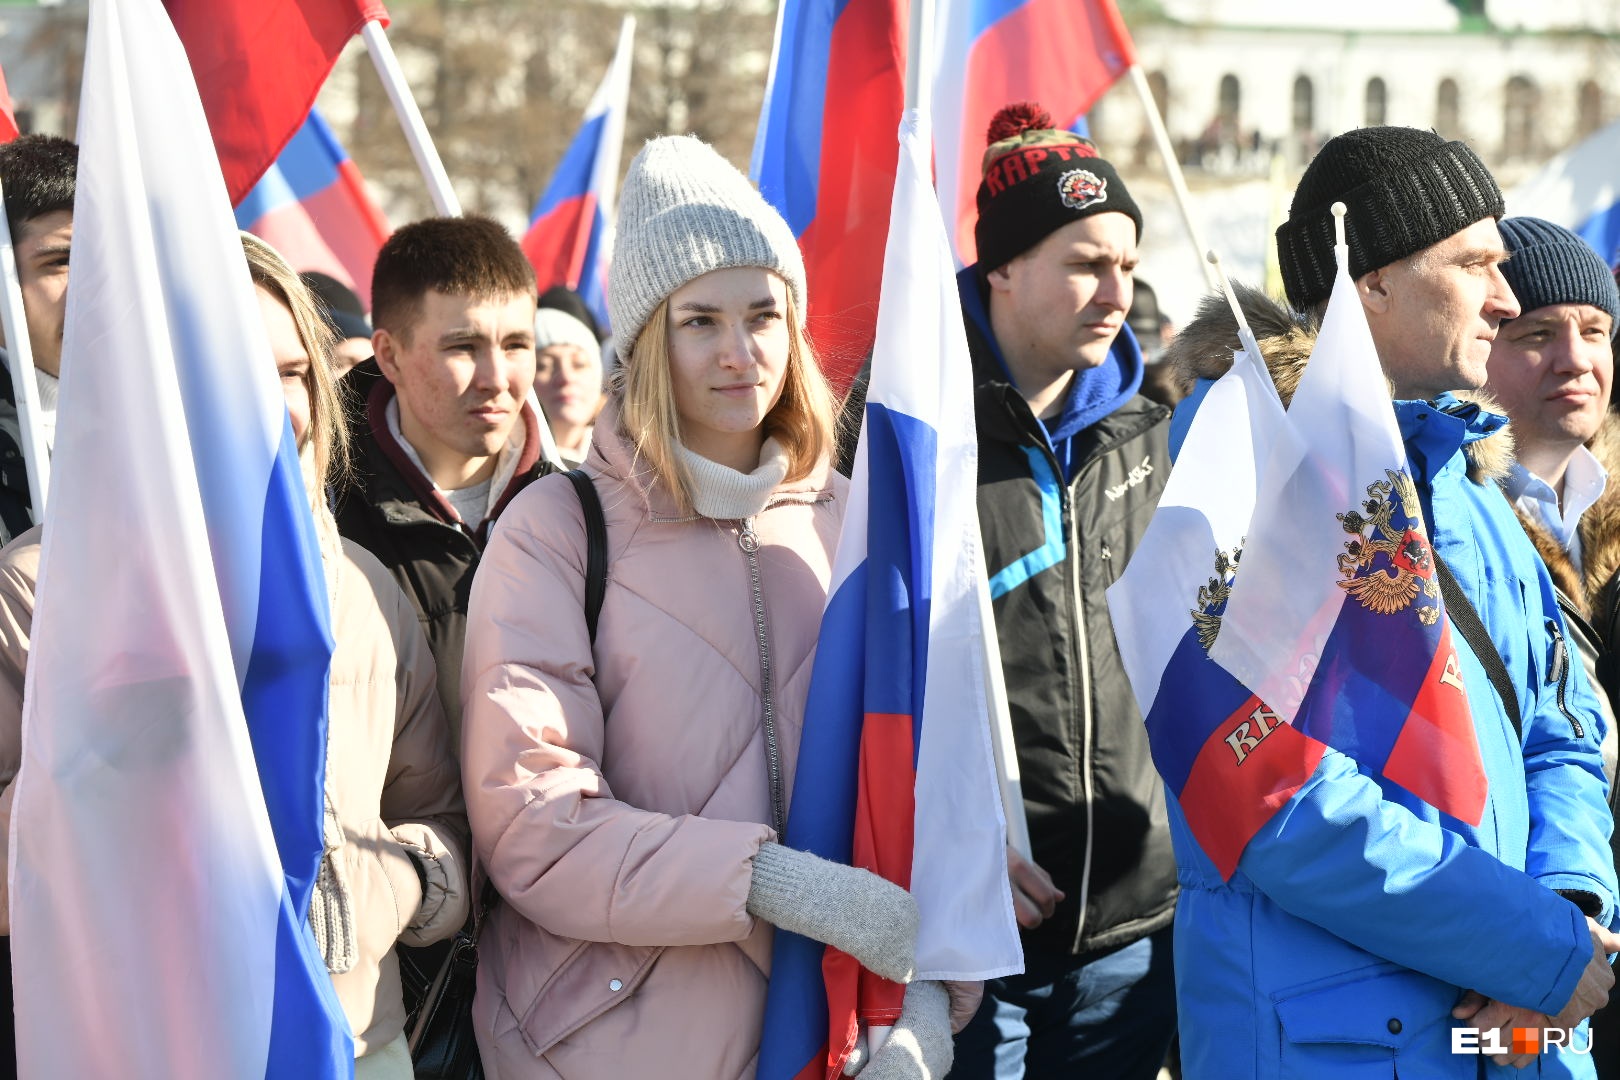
[{"x": 1036, "y": 179}]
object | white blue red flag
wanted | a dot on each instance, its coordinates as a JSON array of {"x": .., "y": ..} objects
[
  {"x": 258, "y": 67},
  {"x": 824, "y": 156},
  {"x": 1166, "y": 610},
  {"x": 313, "y": 207},
  {"x": 1580, "y": 190},
  {"x": 1060, "y": 53},
  {"x": 569, "y": 239},
  {"x": 168, "y": 810},
  {"x": 1336, "y": 619},
  {"x": 895, "y": 769}
]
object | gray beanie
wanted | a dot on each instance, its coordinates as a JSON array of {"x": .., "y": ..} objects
[
  {"x": 684, "y": 211},
  {"x": 1551, "y": 265},
  {"x": 555, "y": 327}
]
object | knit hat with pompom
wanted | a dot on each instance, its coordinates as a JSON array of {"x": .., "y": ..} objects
[{"x": 1036, "y": 179}]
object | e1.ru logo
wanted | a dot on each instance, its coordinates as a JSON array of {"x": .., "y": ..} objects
[{"x": 1534, "y": 1041}]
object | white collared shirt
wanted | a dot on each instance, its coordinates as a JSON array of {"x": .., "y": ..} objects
[{"x": 1584, "y": 481}]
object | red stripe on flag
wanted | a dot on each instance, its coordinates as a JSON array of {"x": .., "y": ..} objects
[
  {"x": 1436, "y": 756},
  {"x": 843, "y": 245},
  {"x": 1061, "y": 53},
  {"x": 258, "y": 68},
  {"x": 8, "y": 113},
  {"x": 556, "y": 244},
  {"x": 1248, "y": 768},
  {"x": 885, "y": 815}
]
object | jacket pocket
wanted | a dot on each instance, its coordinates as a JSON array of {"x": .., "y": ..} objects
[
  {"x": 388, "y": 888},
  {"x": 1364, "y": 1016},
  {"x": 592, "y": 979}
]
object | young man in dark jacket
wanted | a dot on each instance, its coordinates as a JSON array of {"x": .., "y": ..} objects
[
  {"x": 1071, "y": 464},
  {"x": 440, "y": 431},
  {"x": 38, "y": 172}
]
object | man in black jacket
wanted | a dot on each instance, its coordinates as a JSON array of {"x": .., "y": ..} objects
[
  {"x": 38, "y": 172},
  {"x": 441, "y": 435},
  {"x": 1071, "y": 464}
]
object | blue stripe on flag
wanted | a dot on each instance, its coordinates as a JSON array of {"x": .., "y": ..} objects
[
  {"x": 986, "y": 13},
  {"x": 1050, "y": 553},
  {"x": 790, "y": 160},
  {"x": 1602, "y": 231},
  {"x": 284, "y": 698},
  {"x": 572, "y": 179},
  {"x": 900, "y": 453}
]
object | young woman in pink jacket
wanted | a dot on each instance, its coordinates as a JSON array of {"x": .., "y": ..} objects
[{"x": 626, "y": 795}]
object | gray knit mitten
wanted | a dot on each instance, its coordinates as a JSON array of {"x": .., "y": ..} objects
[
  {"x": 919, "y": 1046},
  {"x": 871, "y": 919}
]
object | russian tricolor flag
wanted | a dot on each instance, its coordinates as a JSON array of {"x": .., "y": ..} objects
[
  {"x": 1580, "y": 190},
  {"x": 569, "y": 239},
  {"x": 1290, "y": 550},
  {"x": 1336, "y": 619},
  {"x": 313, "y": 207},
  {"x": 258, "y": 68},
  {"x": 167, "y": 824},
  {"x": 895, "y": 768},
  {"x": 824, "y": 156},
  {"x": 1061, "y": 53},
  {"x": 1185, "y": 564}
]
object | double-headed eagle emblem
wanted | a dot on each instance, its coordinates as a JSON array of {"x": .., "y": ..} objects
[
  {"x": 1212, "y": 597},
  {"x": 1388, "y": 565}
]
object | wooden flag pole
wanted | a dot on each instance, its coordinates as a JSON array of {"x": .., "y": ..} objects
[
  {"x": 410, "y": 118},
  {"x": 1172, "y": 168},
  {"x": 20, "y": 360}
]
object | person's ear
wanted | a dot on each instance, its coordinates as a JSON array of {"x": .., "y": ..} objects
[
  {"x": 386, "y": 348},
  {"x": 1374, "y": 289}
]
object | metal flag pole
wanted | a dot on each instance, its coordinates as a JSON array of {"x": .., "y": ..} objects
[
  {"x": 20, "y": 360},
  {"x": 410, "y": 118},
  {"x": 1172, "y": 167}
]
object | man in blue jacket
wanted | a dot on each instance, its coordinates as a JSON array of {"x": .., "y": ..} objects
[{"x": 1364, "y": 932}]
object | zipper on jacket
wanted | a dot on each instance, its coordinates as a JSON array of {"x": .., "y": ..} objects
[
  {"x": 1085, "y": 705},
  {"x": 1560, "y": 675},
  {"x": 748, "y": 540}
]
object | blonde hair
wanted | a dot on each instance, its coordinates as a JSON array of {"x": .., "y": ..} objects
[
  {"x": 329, "y": 437},
  {"x": 802, "y": 419}
]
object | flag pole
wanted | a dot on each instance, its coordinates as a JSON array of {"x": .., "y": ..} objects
[
  {"x": 20, "y": 360},
  {"x": 1172, "y": 167},
  {"x": 410, "y": 118}
]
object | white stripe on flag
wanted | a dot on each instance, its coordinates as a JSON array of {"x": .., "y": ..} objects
[
  {"x": 145, "y": 885},
  {"x": 921, "y": 368}
]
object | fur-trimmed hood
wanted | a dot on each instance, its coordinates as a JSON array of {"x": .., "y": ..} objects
[{"x": 1203, "y": 350}]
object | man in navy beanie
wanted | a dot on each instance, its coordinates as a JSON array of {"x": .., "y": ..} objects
[
  {"x": 1365, "y": 932},
  {"x": 1552, "y": 372}
]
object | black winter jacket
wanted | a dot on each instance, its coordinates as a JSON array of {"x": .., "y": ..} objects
[
  {"x": 388, "y": 507},
  {"x": 1093, "y": 799}
]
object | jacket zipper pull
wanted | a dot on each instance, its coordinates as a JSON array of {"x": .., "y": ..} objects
[{"x": 747, "y": 539}]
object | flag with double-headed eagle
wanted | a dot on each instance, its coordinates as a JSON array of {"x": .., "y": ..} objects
[
  {"x": 1286, "y": 600},
  {"x": 1336, "y": 620},
  {"x": 1222, "y": 752}
]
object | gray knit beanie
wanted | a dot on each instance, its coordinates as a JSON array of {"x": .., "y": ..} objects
[
  {"x": 1551, "y": 265},
  {"x": 553, "y": 326},
  {"x": 684, "y": 211}
]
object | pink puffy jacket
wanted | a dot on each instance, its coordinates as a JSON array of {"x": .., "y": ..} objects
[{"x": 617, "y": 799}]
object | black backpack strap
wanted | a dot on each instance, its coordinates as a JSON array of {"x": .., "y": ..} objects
[
  {"x": 1466, "y": 619},
  {"x": 595, "y": 547}
]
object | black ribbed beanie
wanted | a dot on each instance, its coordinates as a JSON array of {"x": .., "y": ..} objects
[
  {"x": 1551, "y": 265},
  {"x": 1405, "y": 189}
]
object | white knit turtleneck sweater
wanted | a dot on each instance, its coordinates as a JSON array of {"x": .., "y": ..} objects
[{"x": 723, "y": 493}]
